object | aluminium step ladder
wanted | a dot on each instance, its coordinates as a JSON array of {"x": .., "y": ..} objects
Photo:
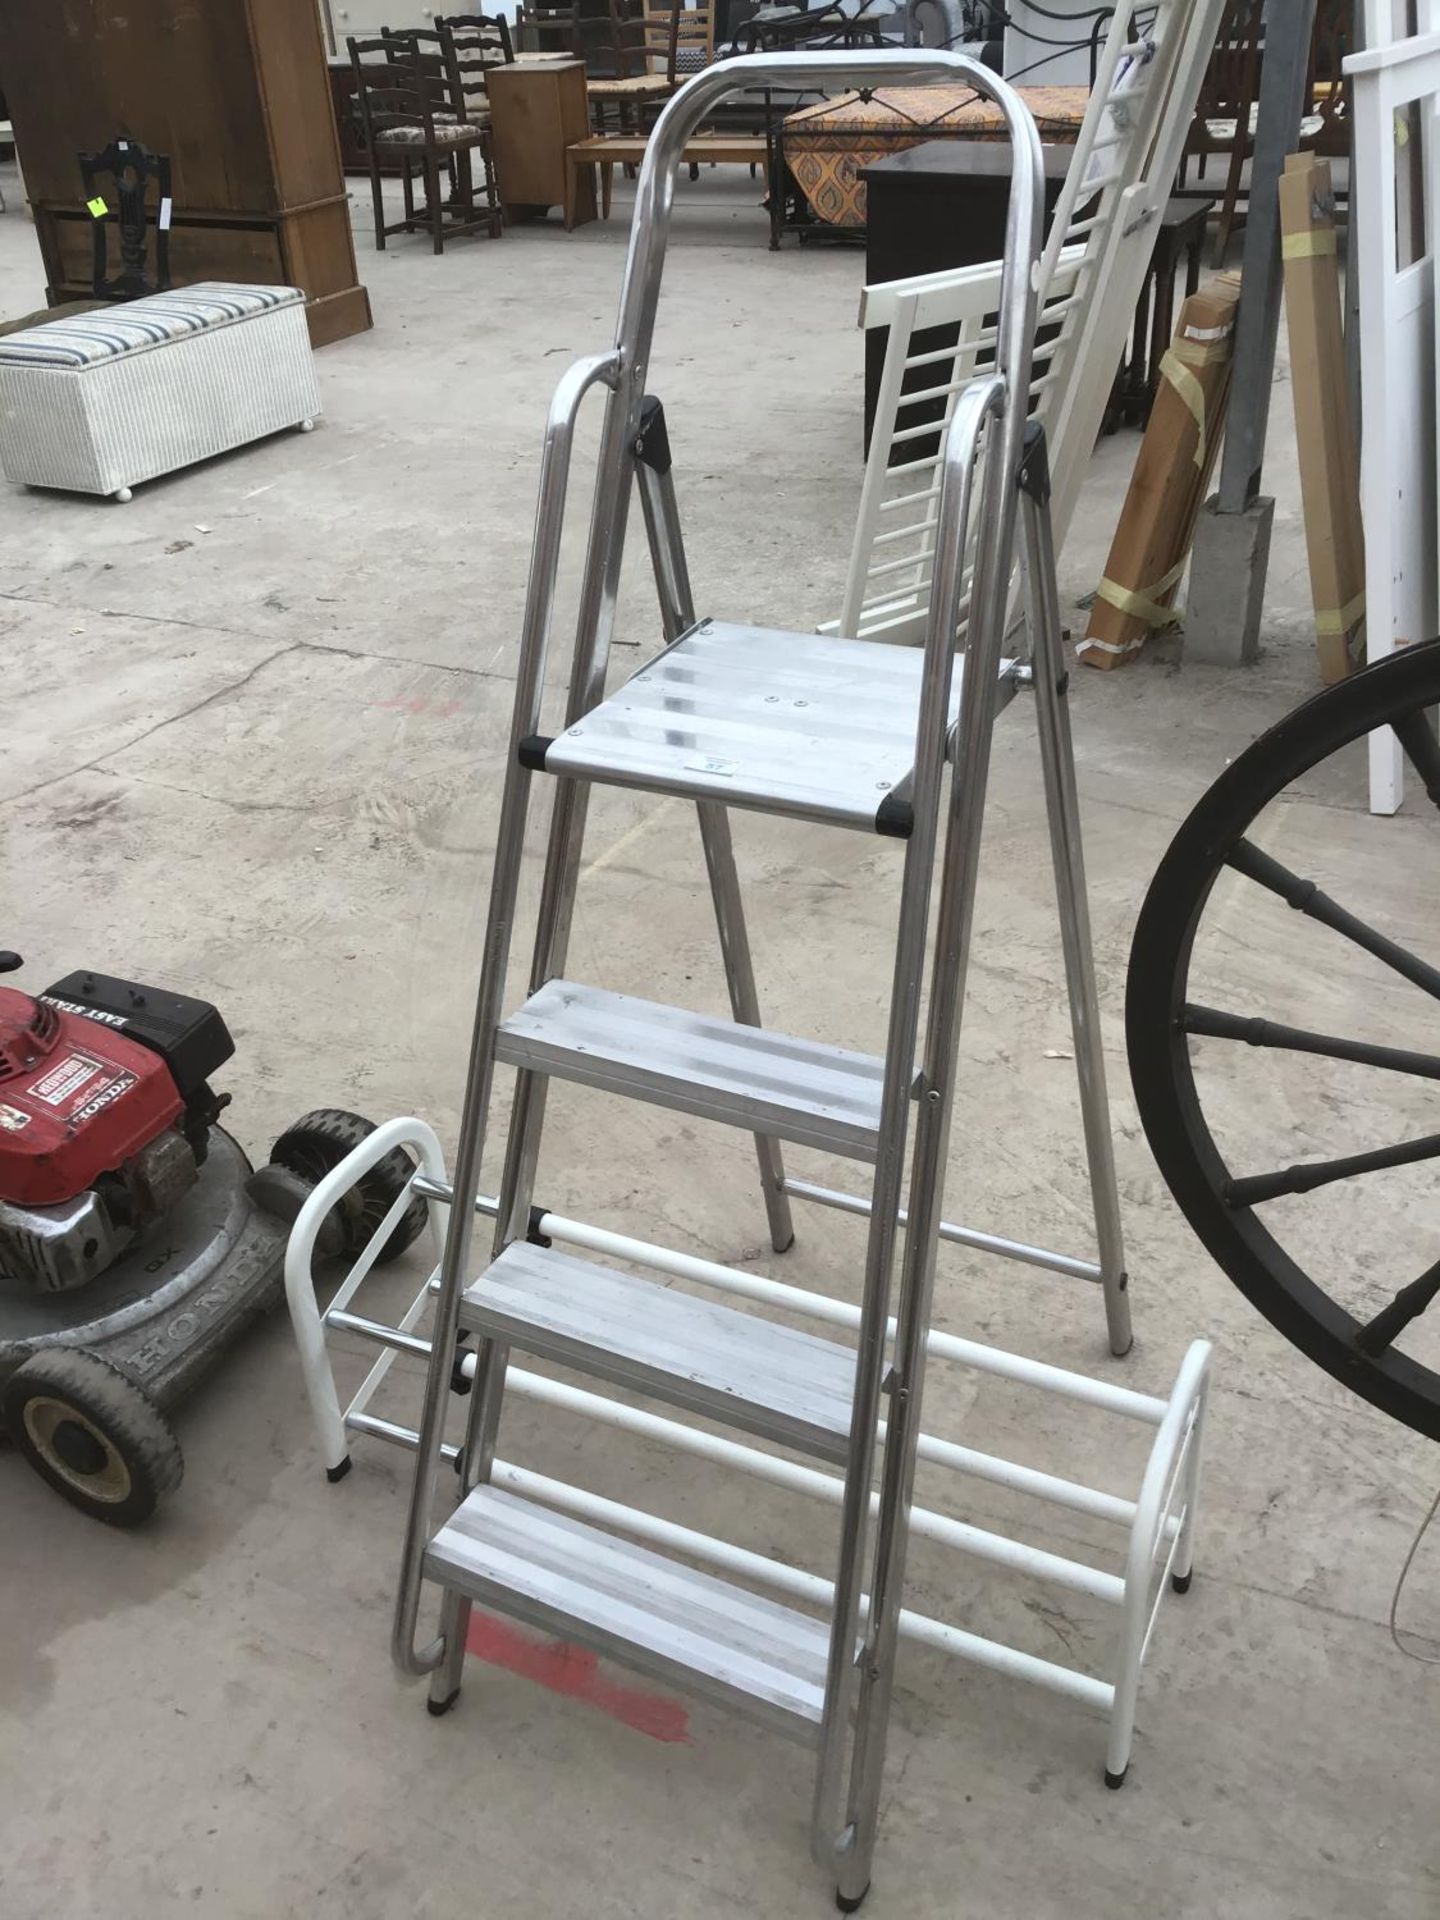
[{"x": 811, "y": 728}]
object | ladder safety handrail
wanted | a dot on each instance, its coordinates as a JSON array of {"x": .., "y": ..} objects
[
  {"x": 654, "y": 192},
  {"x": 575, "y": 383},
  {"x": 976, "y": 404},
  {"x": 645, "y": 258}
]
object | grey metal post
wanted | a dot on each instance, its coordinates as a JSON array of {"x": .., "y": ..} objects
[
  {"x": 1232, "y": 540},
  {"x": 529, "y": 692},
  {"x": 1289, "y": 29}
]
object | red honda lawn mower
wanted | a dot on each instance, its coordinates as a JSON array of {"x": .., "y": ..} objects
[{"x": 135, "y": 1241}]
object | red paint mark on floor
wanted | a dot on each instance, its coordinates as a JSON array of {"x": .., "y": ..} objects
[{"x": 575, "y": 1671}]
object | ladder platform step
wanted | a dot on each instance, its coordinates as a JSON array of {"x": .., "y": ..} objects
[
  {"x": 789, "y": 1387},
  {"x": 788, "y": 723},
  {"x": 635, "y": 1606},
  {"x": 800, "y": 1090}
]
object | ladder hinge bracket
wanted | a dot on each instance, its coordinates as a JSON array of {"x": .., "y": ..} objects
[
  {"x": 1034, "y": 475},
  {"x": 652, "y": 442}
]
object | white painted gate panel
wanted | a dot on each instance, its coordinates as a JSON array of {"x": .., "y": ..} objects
[{"x": 1396, "y": 198}]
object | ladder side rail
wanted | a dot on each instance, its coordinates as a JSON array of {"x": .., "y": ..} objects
[
  {"x": 677, "y": 613},
  {"x": 1062, "y": 806},
  {"x": 1003, "y": 466},
  {"x": 575, "y": 383},
  {"x": 977, "y": 406},
  {"x": 849, "y": 1848}
]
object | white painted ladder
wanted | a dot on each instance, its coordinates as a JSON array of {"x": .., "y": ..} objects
[{"x": 1091, "y": 274}]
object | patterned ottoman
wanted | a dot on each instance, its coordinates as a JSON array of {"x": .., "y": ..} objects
[
  {"x": 826, "y": 146},
  {"x": 101, "y": 401}
]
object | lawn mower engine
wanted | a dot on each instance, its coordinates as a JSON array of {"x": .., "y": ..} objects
[
  {"x": 105, "y": 1118},
  {"x": 136, "y": 1242}
]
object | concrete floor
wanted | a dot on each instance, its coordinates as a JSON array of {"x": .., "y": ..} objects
[{"x": 252, "y": 739}]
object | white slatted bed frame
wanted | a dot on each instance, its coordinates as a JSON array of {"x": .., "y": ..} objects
[{"x": 1094, "y": 267}]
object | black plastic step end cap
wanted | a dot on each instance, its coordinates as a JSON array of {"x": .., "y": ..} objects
[
  {"x": 533, "y": 749},
  {"x": 895, "y": 818}
]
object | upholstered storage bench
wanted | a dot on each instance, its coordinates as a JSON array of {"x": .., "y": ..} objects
[{"x": 101, "y": 401}]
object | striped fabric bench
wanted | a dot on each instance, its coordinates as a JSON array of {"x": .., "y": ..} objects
[{"x": 100, "y": 401}]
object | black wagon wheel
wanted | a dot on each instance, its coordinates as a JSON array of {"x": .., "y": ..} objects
[
  {"x": 317, "y": 1143},
  {"x": 1352, "y": 1294},
  {"x": 93, "y": 1434}
]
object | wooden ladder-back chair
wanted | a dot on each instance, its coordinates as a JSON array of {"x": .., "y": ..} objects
[
  {"x": 411, "y": 118},
  {"x": 1226, "y": 112},
  {"x": 549, "y": 28},
  {"x": 692, "y": 39},
  {"x": 631, "y": 82},
  {"x": 470, "y": 45}
]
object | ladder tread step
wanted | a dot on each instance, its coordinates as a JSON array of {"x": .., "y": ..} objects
[
  {"x": 636, "y": 1606},
  {"x": 787, "y": 1386},
  {"x": 802, "y": 724},
  {"x": 768, "y": 1083}
]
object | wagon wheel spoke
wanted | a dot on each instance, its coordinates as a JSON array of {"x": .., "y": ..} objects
[
  {"x": 1305, "y": 897},
  {"x": 1213, "y": 1023},
  {"x": 1387, "y": 1326},
  {"x": 1258, "y": 1187}
]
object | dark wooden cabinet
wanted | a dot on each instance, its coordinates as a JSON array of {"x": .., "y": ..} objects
[{"x": 236, "y": 93}]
